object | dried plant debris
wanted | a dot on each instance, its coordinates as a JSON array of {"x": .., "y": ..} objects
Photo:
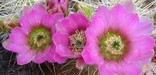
[{"x": 149, "y": 69}]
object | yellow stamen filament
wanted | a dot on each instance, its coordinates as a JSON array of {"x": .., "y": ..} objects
[
  {"x": 109, "y": 43},
  {"x": 77, "y": 41},
  {"x": 42, "y": 41}
]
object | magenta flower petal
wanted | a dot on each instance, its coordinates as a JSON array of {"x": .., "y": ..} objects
[
  {"x": 41, "y": 57},
  {"x": 66, "y": 25},
  {"x": 122, "y": 20},
  {"x": 33, "y": 40},
  {"x": 104, "y": 71},
  {"x": 34, "y": 18},
  {"x": 80, "y": 20},
  {"x": 46, "y": 20},
  {"x": 145, "y": 27},
  {"x": 133, "y": 55},
  {"x": 117, "y": 41},
  {"x": 92, "y": 39},
  {"x": 30, "y": 21},
  {"x": 59, "y": 59},
  {"x": 100, "y": 23},
  {"x": 57, "y": 16},
  {"x": 61, "y": 36},
  {"x": 90, "y": 52},
  {"x": 70, "y": 36},
  {"x": 18, "y": 33},
  {"x": 9, "y": 45},
  {"x": 131, "y": 69},
  {"x": 26, "y": 10},
  {"x": 25, "y": 25},
  {"x": 129, "y": 5},
  {"x": 25, "y": 58},
  {"x": 61, "y": 49},
  {"x": 145, "y": 55},
  {"x": 118, "y": 14},
  {"x": 40, "y": 8},
  {"x": 87, "y": 56},
  {"x": 50, "y": 54},
  {"x": 80, "y": 64},
  {"x": 141, "y": 55},
  {"x": 49, "y": 20},
  {"x": 57, "y": 6}
]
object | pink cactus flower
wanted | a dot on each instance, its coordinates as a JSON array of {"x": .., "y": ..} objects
[
  {"x": 55, "y": 6},
  {"x": 70, "y": 38},
  {"x": 154, "y": 58},
  {"x": 118, "y": 42},
  {"x": 33, "y": 40}
]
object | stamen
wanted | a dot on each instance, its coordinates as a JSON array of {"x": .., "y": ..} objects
[
  {"x": 117, "y": 49},
  {"x": 113, "y": 46},
  {"x": 77, "y": 41},
  {"x": 40, "y": 39}
]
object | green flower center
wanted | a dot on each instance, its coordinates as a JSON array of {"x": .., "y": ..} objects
[
  {"x": 77, "y": 41},
  {"x": 39, "y": 38},
  {"x": 113, "y": 46}
]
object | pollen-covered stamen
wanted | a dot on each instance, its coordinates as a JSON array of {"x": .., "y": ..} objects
[
  {"x": 114, "y": 44},
  {"x": 39, "y": 38},
  {"x": 77, "y": 41}
]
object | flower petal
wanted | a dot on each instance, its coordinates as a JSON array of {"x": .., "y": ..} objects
[
  {"x": 61, "y": 38},
  {"x": 129, "y": 26},
  {"x": 18, "y": 36},
  {"x": 131, "y": 69},
  {"x": 30, "y": 21},
  {"x": 25, "y": 25},
  {"x": 99, "y": 22},
  {"x": 146, "y": 49},
  {"x": 141, "y": 50},
  {"x": 25, "y": 58},
  {"x": 89, "y": 38},
  {"x": 26, "y": 10},
  {"x": 90, "y": 52},
  {"x": 41, "y": 57},
  {"x": 104, "y": 71},
  {"x": 59, "y": 59},
  {"x": 118, "y": 15},
  {"x": 120, "y": 19},
  {"x": 67, "y": 25},
  {"x": 40, "y": 8},
  {"x": 145, "y": 27},
  {"x": 10, "y": 46},
  {"x": 34, "y": 19},
  {"x": 51, "y": 54},
  {"x": 129, "y": 5},
  {"x": 47, "y": 21},
  {"x": 65, "y": 52},
  {"x": 80, "y": 20},
  {"x": 51, "y": 20},
  {"x": 80, "y": 64},
  {"x": 72, "y": 22},
  {"x": 57, "y": 17}
]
